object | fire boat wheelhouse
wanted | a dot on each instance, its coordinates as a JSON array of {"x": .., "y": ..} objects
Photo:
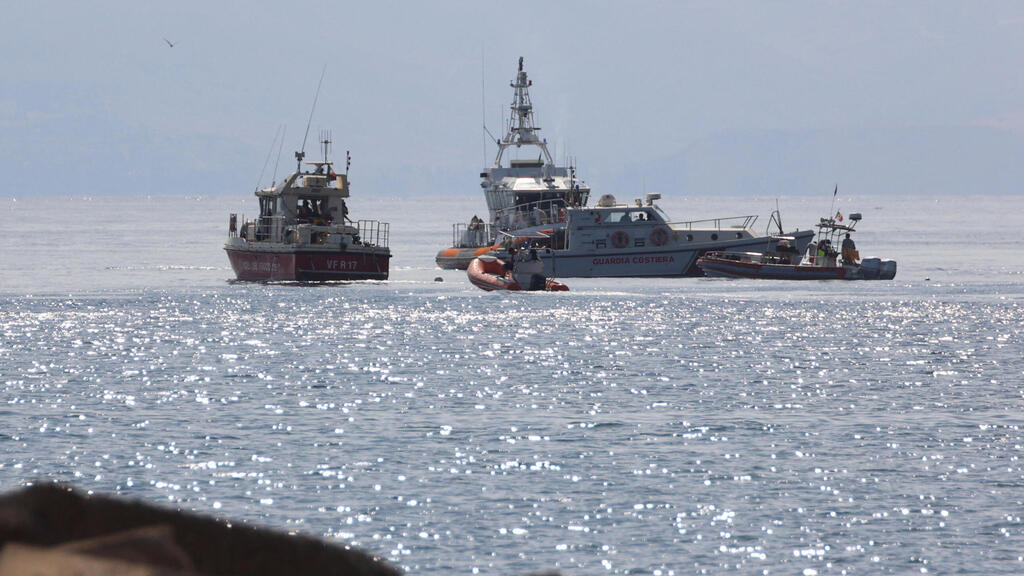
[
  {"x": 621, "y": 240},
  {"x": 303, "y": 232},
  {"x": 525, "y": 195}
]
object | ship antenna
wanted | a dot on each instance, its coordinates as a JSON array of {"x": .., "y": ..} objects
[
  {"x": 302, "y": 153},
  {"x": 779, "y": 214},
  {"x": 483, "y": 103},
  {"x": 280, "y": 147},
  {"x": 325, "y": 141},
  {"x": 572, "y": 181},
  {"x": 834, "y": 192},
  {"x": 483, "y": 109},
  {"x": 269, "y": 152}
]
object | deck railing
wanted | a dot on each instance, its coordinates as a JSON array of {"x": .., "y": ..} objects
[
  {"x": 472, "y": 235},
  {"x": 255, "y": 230},
  {"x": 370, "y": 231},
  {"x": 531, "y": 214},
  {"x": 374, "y": 232},
  {"x": 747, "y": 222}
]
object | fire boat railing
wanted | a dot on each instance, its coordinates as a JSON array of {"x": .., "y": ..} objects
[
  {"x": 371, "y": 232},
  {"x": 257, "y": 230},
  {"x": 747, "y": 222},
  {"x": 374, "y": 232}
]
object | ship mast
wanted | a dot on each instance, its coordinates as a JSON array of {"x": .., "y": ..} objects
[{"x": 521, "y": 130}]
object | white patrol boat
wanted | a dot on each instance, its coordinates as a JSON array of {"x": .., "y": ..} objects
[
  {"x": 524, "y": 195},
  {"x": 618, "y": 240}
]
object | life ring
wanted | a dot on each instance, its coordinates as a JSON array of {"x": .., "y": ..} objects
[
  {"x": 659, "y": 236},
  {"x": 620, "y": 239}
]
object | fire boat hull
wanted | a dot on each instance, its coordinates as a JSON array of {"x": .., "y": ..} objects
[{"x": 309, "y": 265}]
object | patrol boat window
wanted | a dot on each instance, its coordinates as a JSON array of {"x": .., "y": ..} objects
[
  {"x": 629, "y": 216},
  {"x": 617, "y": 216}
]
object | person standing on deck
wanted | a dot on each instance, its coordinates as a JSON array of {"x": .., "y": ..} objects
[{"x": 849, "y": 250}]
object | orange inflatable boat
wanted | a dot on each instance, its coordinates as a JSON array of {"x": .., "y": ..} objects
[{"x": 490, "y": 273}]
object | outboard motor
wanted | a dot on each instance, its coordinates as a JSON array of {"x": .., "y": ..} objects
[
  {"x": 887, "y": 270},
  {"x": 870, "y": 268}
]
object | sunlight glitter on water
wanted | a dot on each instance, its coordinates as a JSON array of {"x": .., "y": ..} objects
[
  {"x": 661, "y": 426},
  {"x": 624, "y": 433}
]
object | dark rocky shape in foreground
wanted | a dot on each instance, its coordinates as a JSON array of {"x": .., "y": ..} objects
[{"x": 52, "y": 529}]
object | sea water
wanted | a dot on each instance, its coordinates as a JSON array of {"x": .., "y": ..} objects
[{"x": 629, "y": 426}]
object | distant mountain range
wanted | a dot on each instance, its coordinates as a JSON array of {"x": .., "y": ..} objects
[{"x": 937, "y": 161}]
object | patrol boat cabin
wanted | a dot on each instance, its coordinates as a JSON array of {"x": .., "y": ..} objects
[{"x": 622, "y": 240}]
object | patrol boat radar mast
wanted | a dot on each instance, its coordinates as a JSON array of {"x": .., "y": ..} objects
[{"x": 522, "y": 196}]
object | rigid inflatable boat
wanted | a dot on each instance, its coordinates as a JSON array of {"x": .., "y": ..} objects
[{"x": 490, "y": 273}]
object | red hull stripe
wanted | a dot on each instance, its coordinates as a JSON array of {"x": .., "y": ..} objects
[{"x": 309, "y": 267}]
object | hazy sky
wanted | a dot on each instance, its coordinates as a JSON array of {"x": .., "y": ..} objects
[{"x": 688, "y": 97}]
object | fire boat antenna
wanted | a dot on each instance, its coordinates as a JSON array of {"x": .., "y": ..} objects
[
  {"x": 348, "y": 161},
  {"x": 302, "y": 153},
  {"x": 325, "y": 142},
  {"x": 280, "y": 147},
  {"x": 277, "y": 133}
]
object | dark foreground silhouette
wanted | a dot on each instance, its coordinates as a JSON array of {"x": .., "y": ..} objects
[{"x": 52, "y": 529}]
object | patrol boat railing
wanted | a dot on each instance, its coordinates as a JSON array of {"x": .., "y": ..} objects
[
  {"x": 747, "y": 222},
  {"x": 472, "y": 235}
]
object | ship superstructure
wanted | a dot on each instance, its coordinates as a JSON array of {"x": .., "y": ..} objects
[
  {"x": 303, "y": 231},
  {"x": 521, "y": 194}
]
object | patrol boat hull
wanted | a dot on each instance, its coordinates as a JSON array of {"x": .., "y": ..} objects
[{"x": 677, "y": 261}]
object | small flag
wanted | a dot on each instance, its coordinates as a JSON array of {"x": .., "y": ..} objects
[
  {"x": 839, "y": 216},
  {"x": 836, "y": 191}
]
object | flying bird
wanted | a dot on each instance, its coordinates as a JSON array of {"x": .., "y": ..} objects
[{"x": 169, "y": 43}]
